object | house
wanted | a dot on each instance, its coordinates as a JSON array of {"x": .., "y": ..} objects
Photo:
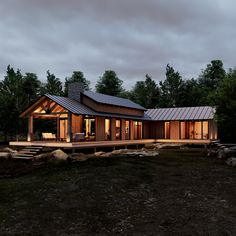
[{"x": 89, "y": 116}]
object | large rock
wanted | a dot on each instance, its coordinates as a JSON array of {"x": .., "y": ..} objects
[
  {"x": 98, "y": 154},
  {"x": 231, "y": 161},
  {"x": 43, "y": 157},
  {"x": 5, "y": 155},
  {"x": 8, "y": 150},
  {"x": 58, "y": 157},
  {"x": 59, "y": 154},
  {"x": 226, "y": 152}
]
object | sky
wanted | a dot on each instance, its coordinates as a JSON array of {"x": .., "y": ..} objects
[{"x": 131, "y": 37}]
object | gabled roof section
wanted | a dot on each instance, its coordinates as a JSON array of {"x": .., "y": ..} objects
[
  {"x": 71, "y": 105},
  {"x": 181, "y": 113},
  {"x": 112, "y": 100},
  {"x": 77, "y": 108}
]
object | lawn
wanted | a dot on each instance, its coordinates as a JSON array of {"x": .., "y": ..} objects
[{"x": 181, "y": 192}]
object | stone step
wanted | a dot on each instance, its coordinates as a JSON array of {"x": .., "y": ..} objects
[
  {"x": 27, "y": 152},
  {"x": 23, "y": 157},
  {"x": 35, "y": 147},
  {"x": 33, "y": 150},
  {"x": 24, "y": 154}
]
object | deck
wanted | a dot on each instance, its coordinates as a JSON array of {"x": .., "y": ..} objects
[{"x": 95, "y": 144}]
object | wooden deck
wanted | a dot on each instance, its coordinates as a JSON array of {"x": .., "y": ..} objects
[{"x": 95, "y": 144}]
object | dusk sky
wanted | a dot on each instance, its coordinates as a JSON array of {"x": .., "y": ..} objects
[{"x": 132, "y": 37}]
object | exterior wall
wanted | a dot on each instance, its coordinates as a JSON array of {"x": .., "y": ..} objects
[
  {"x": 153, "y": 129},
  {"x": 213, "y": 132},
  {"x": 113, "y": 129},
  {"x": 122, "y": 129},
  {"x": 174, "y": 130},
  {"x": 100, "y": 128},
  {"x": 131, "y": 129},
  {"x": 76, "y": 124},
  {"x": 111, "y": 109}
]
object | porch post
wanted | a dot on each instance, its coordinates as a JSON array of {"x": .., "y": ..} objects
[
  {"x": 69, "y": 128},
  {"x": 30, "y": 128}
]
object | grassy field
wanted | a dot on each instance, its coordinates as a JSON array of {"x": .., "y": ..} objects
[{"x": 177, "y": 193}]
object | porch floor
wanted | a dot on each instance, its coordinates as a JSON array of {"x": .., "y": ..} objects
[{"x": 94, "y": 144}]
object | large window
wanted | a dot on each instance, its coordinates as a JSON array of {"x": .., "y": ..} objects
[
  {"x": 107, "y": 129},
  {"x": 89, "y": 128},
  {"x": 118, "y": 130},
  {"x": 127, "y": 130},
  {"x": 194, "y": 130},
  {"x": 137, "y": 130}
]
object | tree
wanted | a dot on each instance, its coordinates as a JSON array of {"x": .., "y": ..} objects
[
  {"x": 11, "y": 102},
  {"x": 31, "y": 87},
  {"x": 53, "y": 85},
  {"x": 209, "y": 81},
  {"x": 226, "y": 107},
  {"x": 77, "y": 76},
  {"x": 190, "y": 93},
  {"x": 109, "y": 84},
  {"x": 171, "y": 88},
  {"x": 145, "y": 93}
]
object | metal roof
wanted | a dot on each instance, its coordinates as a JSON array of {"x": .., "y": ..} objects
[
  {"x": 112, "y": 100},
  {"x": 80, "y": 109},
  {"x": 181, "y": 113}
]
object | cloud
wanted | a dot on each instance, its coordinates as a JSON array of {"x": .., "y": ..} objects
[{"x": 132, "y": 37}]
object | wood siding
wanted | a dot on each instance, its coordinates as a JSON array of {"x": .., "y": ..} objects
[
  {"x": 100, "y": 128},
  {"x": 110, "y": 109},
  {"x": 76, "y": 124},
  {"x": 174, "y": 130},
  {"x": 213, "y": 132}
]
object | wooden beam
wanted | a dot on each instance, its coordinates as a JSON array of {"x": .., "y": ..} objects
[
  {"x": 69, "y": 128},
  {"x": 30, "y": 128}
]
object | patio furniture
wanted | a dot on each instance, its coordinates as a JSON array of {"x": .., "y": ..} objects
[
  {"x": 78, "y": 137},
  {"x": 48, "y": 136}
]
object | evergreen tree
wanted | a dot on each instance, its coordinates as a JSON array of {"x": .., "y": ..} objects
[
  {"x": 226, "y": 107},
  {"x": 209, "y": 81},
  {"x": 53, "y": 85},
  {"x": 109, "y": 84},
  {"x": 170, "y": 89},
  {"x": 146, "y": 93}
]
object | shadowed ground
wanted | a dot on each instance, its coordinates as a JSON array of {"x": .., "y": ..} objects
[{"x": 178, "y": 193}]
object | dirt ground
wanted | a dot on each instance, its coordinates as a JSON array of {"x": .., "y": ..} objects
[{"x": 178, "y": 193}]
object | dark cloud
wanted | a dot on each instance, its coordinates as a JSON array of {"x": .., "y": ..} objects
[{"x": 132, "y": 37}]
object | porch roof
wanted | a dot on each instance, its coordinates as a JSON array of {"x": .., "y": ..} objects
[{"x": 80, "y": 109}]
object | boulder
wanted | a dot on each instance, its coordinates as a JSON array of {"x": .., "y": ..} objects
[
  {"x": 59, "y": 154},
  {"x": 58, "y": 157},
  {"x": 43, "y": 157},
  {"x": 5, "y": 155},
  {"x": 8, "y": 150},
  {"x": 231, "y": 161},
  {"x": 78, "y": 157},
  {"x": 98, "y": 154}
]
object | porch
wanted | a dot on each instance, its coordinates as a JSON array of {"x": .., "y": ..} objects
[{"x": 96, "y": 144}]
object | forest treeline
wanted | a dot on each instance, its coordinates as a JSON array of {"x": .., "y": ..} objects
[{"x": 214, "y": 86}]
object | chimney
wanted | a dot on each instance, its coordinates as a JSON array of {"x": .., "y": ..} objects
[{"x": 74, "y": 90}]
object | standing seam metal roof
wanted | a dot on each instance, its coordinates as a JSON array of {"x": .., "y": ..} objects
[
  {"x": 181, "y": 113},
  {"x": 80, "y": 109},
  {"x": 112, "y": 100}
]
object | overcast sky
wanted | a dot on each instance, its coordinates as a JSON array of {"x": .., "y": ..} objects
[{"x": 132, "y": 37}]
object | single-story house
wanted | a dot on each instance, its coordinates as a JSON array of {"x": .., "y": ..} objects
[{"x": 90, "y": 116}]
